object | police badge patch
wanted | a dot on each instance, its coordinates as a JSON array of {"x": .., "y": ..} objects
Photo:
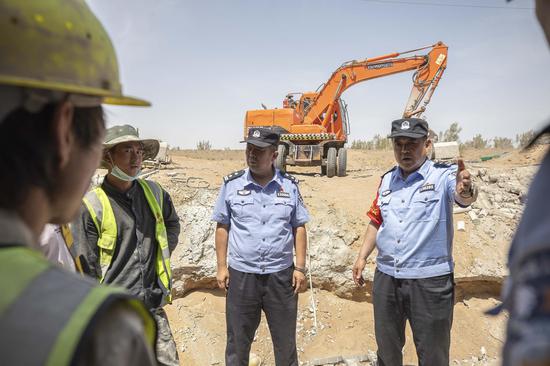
[
  {"x": 427, "y": 187},
  {"x": 283, "y": 194},
  {"x": 243, "y": 192}
]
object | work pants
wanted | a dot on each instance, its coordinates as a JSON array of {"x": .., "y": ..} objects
[
  {"x": 428, "y": 305},
  {"x": 167, "y": 353},
  {"x": 248, "y": 294}
]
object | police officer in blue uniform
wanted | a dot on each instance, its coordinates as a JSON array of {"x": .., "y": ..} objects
[
  {"x": 411, "y": 224},
  {"x": 261, "y": 221}
]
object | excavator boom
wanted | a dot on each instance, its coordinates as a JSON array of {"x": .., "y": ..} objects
[{"x": 428, "y": 70}]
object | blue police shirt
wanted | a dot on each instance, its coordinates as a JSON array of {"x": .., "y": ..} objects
[
  {"x": 261, "y": 222},
  {"x": 526, "y": 291},
  {"x": 416, "y": 234}
]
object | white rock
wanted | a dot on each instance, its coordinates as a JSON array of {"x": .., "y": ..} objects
[{"x": 473, "y": 216}]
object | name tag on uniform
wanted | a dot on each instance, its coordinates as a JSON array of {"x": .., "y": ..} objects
[
  {"x": 385, "y": 193},
  {"x": 283, "y": 194},
  {"x": 427, "y": 187},
  {"x": 243, "y": 192}
]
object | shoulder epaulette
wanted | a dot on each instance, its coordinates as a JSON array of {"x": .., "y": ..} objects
[
  {"x": 389, "y": 171},
  {"x": 233, "y": 175},
  {"x": 442, "y": 164},
  {"x": 291, "y": 178}
]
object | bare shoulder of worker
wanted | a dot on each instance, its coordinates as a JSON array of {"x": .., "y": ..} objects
[{"x": 118, "y": 338}]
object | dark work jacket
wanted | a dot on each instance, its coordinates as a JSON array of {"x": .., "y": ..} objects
[{"x": 134, "y": 261}]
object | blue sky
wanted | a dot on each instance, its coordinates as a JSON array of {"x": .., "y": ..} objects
[{"x": 204, "y": 63}]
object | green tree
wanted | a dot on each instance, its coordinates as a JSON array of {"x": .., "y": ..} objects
[
  {"x": 503, "y": 143},
  {"x": 477, "y": 142},
  {"x": 381, "y": 143},
  {"x": 204, "y": 145},
  {"x": 452, "y": 133},
  {"x": 524, "y": 138},
  {"x": 359, "y": 144}
]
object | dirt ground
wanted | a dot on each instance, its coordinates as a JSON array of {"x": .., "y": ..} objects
[{"x": 344, "y": 327}]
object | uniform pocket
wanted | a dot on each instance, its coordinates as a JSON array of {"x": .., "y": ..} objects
[
  {"x": 282, "y": 208},
  {"x": 242, "y": 208},
  {"x": 441, "y": 284},
  {"x": 426, "y": 207},
  {"x": 384, "y": 203},
  {"x": 106, "y": 241}
]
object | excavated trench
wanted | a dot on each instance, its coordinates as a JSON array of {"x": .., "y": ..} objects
[{"x": 332, "y": 252}]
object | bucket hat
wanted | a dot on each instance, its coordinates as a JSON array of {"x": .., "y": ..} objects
[{"x": 126, "y": 133}]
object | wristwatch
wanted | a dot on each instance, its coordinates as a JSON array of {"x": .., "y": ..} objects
[
  {"x": 300, "y": 269},
  {"x": 469, "y": 193}
]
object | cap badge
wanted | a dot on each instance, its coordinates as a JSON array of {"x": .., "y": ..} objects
[
  {"x": 256, "y": 133},
  {"x": 405, "y": 125}
]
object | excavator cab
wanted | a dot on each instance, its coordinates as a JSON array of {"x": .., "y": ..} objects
[{"x": 289, "y": 101}]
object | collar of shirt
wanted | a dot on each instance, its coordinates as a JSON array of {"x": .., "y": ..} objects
[
  {"x": 112, "y": 191},
  {"x": 423, "y": 171},
  {"x": 14, "y": 230},
  {"x": 276, "y": 179}
]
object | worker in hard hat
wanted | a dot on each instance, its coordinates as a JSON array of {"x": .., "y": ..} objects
[
  {"x": 57, "y": 67},
  {"x": 127, "y": 229}
]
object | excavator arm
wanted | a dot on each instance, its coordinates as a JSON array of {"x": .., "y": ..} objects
[{"x": 428, "y": 71}]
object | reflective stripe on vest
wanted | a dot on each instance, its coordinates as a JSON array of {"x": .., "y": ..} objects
[
  {"x": 104, "y": 220},
  {"x": 154, "y": 196},
  {"x": 45, "y": 311},
  {"x": 102, "y": 214}
]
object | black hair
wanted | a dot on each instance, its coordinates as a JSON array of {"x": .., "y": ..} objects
[{"x": 28, "y": 155}]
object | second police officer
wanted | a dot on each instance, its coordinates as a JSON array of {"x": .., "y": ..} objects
[
  {"x": 261, "y": 220},
  {"x": 411, "y": 225}
]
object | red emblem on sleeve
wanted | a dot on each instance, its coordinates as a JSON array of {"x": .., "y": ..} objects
[{"x": 374, "y": 212}]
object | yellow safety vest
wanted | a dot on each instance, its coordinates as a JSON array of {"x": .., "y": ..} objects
[
  {"x": 102, "y": 214},
  {"x": 45, "y": 311}
]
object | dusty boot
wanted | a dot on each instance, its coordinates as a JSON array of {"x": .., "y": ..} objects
[{"x": 254, "y": 360}]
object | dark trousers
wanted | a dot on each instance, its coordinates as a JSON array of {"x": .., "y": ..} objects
[
  {"x": 248, "y": 294},
  {"x": 167, "y": 354},
  {"x": 428, "y": 305}
]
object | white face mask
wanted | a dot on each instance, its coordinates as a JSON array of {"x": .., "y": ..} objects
[{"x": 118, "y": 173}]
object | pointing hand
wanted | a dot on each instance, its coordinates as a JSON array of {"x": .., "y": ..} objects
[{"x": 463, "y": 179}]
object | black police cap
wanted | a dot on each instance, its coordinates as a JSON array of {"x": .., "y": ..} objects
[
  {"x": 262, "y": 137},
  {"x": 409, "y": 127}
]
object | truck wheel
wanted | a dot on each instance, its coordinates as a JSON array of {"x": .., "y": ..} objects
[
  {"x": 280, "y": 162},
  {"x": 331, "y": 162},
  {"x": 342, "y": 162}
]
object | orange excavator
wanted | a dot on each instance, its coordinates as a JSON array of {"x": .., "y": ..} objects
[{"x": 314, "y": 126}]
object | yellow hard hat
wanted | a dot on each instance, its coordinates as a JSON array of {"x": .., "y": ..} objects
[{"x": 58, "y": 45}]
